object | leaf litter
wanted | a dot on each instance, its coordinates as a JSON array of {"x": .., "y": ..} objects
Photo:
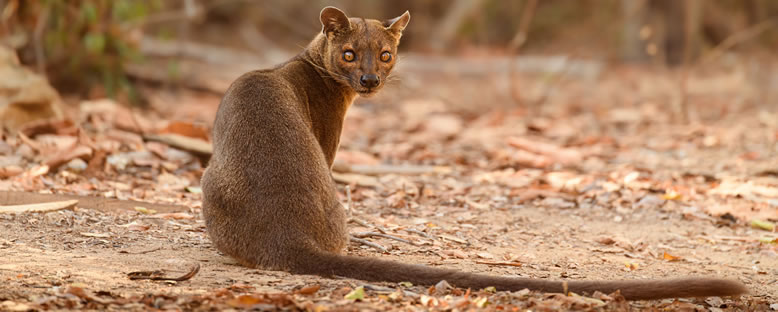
[{"x": 585, "y": 188}]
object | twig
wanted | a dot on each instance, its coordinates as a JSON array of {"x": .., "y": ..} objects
[
  {"x": 367, "y": 225},
  {"x": 516, "y": 264},
  {"x": 84, "y": 202},
  {"x": 39, "y": 207},
  {"x": 526, "y": 19},
  {"x": 389, "y": 169},
  {"x": 369, "y": 243},
  {"x": 387, "y": 290},
  {"x": 134, "y": 116},
  {"x": 527, "y": 14},
  {"x": 415, "y": 231},
  {"x": 691, "y": 29},
  {"x": 348, "y": 198},
  {"x": 355, "y": 179},
  {"x": 376, "y": 288},
  {"x": 738, "y": 38},
  {"x": 446, "y": 30},
  {"x": 389, "y": 236},
  {"x": 34, "y": 145},
  {"x": 140, "y": 252},
  {"x": 714, "y": 53},
  {"x": 159, "y": 275},
  {"x": 421, "y": 192},
  {"x": 735, "y": 238}
]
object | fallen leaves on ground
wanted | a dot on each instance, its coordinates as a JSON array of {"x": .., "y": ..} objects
[{"x": 493, "y": 188}]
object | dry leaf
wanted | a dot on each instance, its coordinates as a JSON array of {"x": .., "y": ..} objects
[
  {"x": 671, "y": 195},
  {"x": 174, "y": 215},
  {"x": 485, "y": 255},
  {"x": 245, "y": 301},
  {"x": 144, "y": 210},
  {"x": 186, "y": 129},
  {"x": 428, "y": 301},
  {"x": 481, "y": 302},
  {"x": 308, "y": 290},
  {"x": 454, "y": 253},
  {"x": 97, "y": 235},
  {"x": 764, "y": 225},
  {"x": 441, "y": 288},
  {"x": 356, "y": 294},
  {"x": 562, "y": 155},
  {"x": 670, "y": 257}
]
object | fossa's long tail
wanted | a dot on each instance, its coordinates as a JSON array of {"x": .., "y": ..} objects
[{"x": 370, "y": 269}]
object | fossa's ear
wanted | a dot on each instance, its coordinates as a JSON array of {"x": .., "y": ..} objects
[
  {"x": 397, "y": 24},
  {"x": 333, "y": 20}
]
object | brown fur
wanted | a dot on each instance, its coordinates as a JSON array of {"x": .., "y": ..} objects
[{"x": 269, "y": 200}]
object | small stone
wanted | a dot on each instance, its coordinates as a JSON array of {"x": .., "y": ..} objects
[
  {"x": 122, "y": 160},
  {"x": 76, "y": 165},
  {"x": 650, "y": 201}
]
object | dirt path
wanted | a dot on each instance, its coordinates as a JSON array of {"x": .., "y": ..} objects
[{"x": 45, "y": 252}]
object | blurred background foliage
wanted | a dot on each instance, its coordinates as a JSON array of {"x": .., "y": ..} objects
[{"x": 84, "y": 46}]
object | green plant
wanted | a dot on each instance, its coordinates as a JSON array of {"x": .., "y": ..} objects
[{"x": 84, "y": 45}]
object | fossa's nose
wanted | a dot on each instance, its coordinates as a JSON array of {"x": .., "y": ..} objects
[{"x": 369, "y": 81}]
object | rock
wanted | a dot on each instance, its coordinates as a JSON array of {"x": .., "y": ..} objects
[
  {"x": 122, "y": 160},
  {"x": 650, "y": 202},
  {"x": 24, "y": 95},
  {"x": 76, "y": 165}
]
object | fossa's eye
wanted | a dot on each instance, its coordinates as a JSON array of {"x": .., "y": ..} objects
[
  {"x": 386, "y": 57},
  {"x": 349, "y": 56}
]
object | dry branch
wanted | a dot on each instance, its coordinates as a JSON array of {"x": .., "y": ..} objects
[
  {"x": 384, "y": 235},
  {"x": 527, "y": 14},
  {"x": 459, "y": 11},
  {"x": 160, "y": 275},
  {"x": 420, "y": 233},
  {"x": 374, "y": 170},
  {"x": 357, "y": 179},
  {"x": 39, "y": 207},
  {"x": 369, "y": 243},
  {"x": 737, "y": 38},
  {"x": 367, "y": 225},
  {"x": 516, "y": 264},
  {"x": 89, "y": 202}
]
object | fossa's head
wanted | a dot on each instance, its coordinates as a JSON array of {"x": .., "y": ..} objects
[{"x": 361, "y": 52}]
